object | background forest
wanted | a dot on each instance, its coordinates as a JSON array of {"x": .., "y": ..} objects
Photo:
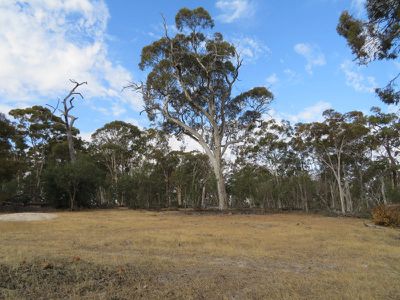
[{"x": 347, "y": 163}]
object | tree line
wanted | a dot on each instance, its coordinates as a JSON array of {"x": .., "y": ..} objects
[{"x": 346, "y": 163}]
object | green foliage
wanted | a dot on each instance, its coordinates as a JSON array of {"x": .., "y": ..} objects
[
  {"x": 352, "y": 30},
  {"x": 77, "y": 182},
  {"x": 250, "y": 186},
  {"x": 196, "y": 18},
  {"x": 189, "y": 87},
  {"x": 393, "y": 194},
  {"x": 7, "y": 135},
  {"x": 37, "y": 129},
  {"x": 127, "y": 189},
  {"x": 377, "y": 38},
  {"x": 191, "y": 174},
  {"x": 38, "y": 124},
  {"x": 9, "y": 165},
  {"x": 119, "y": 147}
]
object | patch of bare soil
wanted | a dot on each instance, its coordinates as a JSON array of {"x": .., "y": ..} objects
[
  {"x": 64, "y": 279},
  {"x": 23, "y": 217},
  {"x": 77, "y": 279}
]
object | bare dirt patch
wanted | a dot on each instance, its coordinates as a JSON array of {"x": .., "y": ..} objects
[{"x": 25, "y": 217}]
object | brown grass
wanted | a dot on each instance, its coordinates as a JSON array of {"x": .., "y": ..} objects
[{"x": 125, "y": 254}]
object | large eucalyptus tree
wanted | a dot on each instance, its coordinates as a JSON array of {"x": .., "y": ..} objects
[{"x": 189, "y": 89}]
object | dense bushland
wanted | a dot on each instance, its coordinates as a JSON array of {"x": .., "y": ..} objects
[{"x": 346, "y": 163}]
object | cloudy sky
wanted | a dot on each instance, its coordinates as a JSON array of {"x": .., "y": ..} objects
[{"x": 289, "y": 46}]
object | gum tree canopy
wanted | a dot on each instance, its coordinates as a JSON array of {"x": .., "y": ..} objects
[
  {"x": 376, "y": 38},
  {"x": 189, "y": 89}
]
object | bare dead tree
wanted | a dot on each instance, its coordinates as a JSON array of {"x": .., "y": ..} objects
[{"x": 68, "y": 119}]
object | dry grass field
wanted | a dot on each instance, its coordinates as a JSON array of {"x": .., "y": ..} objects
[{"x": 125, "y": 254}]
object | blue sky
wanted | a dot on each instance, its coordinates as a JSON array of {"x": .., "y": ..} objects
[{"x": 289, "y": 46}]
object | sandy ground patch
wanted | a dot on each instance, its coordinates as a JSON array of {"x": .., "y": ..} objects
[{"x": 27, "y": 217}]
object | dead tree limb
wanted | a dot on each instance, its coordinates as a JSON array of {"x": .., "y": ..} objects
[{"x": 68, "y": 119}]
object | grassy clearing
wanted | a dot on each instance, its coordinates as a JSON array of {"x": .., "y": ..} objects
[{"x": 123, "y": 254}]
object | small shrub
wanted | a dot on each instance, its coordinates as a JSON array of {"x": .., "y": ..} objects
[{"x": 386, "y": 215}]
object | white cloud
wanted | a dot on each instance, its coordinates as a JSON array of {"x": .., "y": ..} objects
[
  {"x": 356, "y": 80},
  {"x": 312, "y": 54},
  {"x": 272, "y": 79},
  {"x": 311, "y": 113},
  {"x": 233, "y": 10},
  {"x": 272, "y": 114},
  {"x": 291, "y": 74},
  {"x": 250, "y": 48},
  {"x": 117, "y": 109},
  {"x": 134, "y": 122},
  {"x": 43, "y": 43},
  {"x": 5, "y": 108}
]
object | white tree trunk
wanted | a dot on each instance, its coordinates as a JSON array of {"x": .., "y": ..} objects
[
  {"x": 383, "y": 190},
  {"x": 222, "y": 195},
  {"x": 203, "y": 197},
  {"x": 341, "y": 195},
  {"x": 349, "y": 200},
  {"x": 71, "y": 148},
  {"x": 179, "y": 195}
]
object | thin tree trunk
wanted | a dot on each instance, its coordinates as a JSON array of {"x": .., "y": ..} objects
[
  {"x": 38, "y": 189},
  {"x": 393, "y": 165},
  {"x": 349, "y": 201},
  {"x": 167, "y": 194},
  {"x": 71, "y": 145},
  {"x": 279, "y": 203},
  {"x": 338, "y": 177},
  {"x": 179, "y": 195},
  {"x": 72, "y": 199},
  {"x": 303, "y": 197},
  {"x": 101, "y": 195},
  {"x": 203, "y": 197},
  {"x": 383, "y": 190},
  {"x": 68, "y": 129},
  {"x": 341, "y": 197},
  {"x": 305, "y": 200},
  {"x": 332, "y": 196}
]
